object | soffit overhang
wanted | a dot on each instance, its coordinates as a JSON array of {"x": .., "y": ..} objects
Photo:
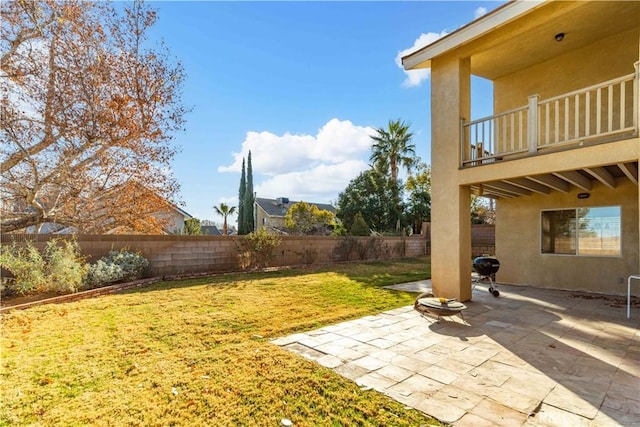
[{"x": 522, "y": 33}]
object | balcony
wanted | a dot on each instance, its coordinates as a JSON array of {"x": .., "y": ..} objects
[{"x": 600, "y": 113}]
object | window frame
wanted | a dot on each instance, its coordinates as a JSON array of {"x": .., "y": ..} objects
[{"x": 576, "y": 232}]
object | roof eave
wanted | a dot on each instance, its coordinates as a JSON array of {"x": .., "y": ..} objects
[{"x": 494, "y": 19}]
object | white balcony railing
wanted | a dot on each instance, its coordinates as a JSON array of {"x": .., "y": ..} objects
[{"x": 604, "y": 110}]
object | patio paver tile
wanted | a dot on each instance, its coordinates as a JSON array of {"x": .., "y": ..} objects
[
  {"x": 455, "y": 366},
  {"x": 472, "y": 420},
  {"x": 395, "y": 373},
  {"x": 474, "y": 355},
  {"x": 282, "y": 341},
  {"x": 364, "y": 348},
  {"x": 458, "y": 397},
  {"x": 428, "y": 356},
  {"x": 512, "y": 399},
  {"x": 370, "y": 363},
  {"x": 624, "y": 382},
  {"x": 329, "y": 361},
  {"x": 570, "y": 361},
  {"x": 351, "y": 371},
  {"x": 623, "y": 403},
  {"x": 439, "y": 374},
  {"x": 537, "y": 387},
  {"x": 498, "y": 414},
  {"x": 304, "y": 351},
  {"x": 366, "y": 336},
  {"x": 576, "y": 401},
  {"x": 376, "y": 381},
  {"x": 418, "y": 383},
  {"x": 441, "y": 410},
  {"x": 384, "y": 355},
  {"x": 551, "y": 416},
  {"x": 346, "y": 342},
  {"x": 410, "y": 363},
  {"x": 381, "y": 343},
  {"x": 610, "y": 417}
]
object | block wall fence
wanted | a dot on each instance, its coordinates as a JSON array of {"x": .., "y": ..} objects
[{"x": 176, "y": 255}]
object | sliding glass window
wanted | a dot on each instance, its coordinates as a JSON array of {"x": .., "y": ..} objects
[{"x": 582, "y": 231}]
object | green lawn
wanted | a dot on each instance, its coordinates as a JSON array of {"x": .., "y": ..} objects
[{"x": 197, "y": 352}]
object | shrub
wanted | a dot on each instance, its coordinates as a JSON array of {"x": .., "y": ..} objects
[
  {"x": 65, "y": 268},
  {"x": 60, "y": 269},
  {"x": 359, "y": 226},
  {"x": 27, "y": 266},
  {"x": 258, "y": 249},
  {"x": 118, "y": 266}
]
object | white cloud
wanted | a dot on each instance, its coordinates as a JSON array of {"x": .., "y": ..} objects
[
  {"x": 480, "y": 12},
  {"x": 320, "y": 184},
  {"x": 314, "y": 168},
  {"x": 416, "y": 77},
  {"x": 337, "y": 141}
]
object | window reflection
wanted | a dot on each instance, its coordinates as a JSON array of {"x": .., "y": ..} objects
[{"x": 583, "y": 231}]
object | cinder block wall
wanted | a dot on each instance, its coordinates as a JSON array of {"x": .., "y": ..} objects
[{"x": 170, "y": 255}]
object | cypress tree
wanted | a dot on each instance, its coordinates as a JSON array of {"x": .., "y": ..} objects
[
  {"x": 241, "y": 194},
  {"x": 249, "y": 198}
]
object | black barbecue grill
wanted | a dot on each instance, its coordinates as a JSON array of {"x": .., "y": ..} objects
[{"x": 486, "y": 268}]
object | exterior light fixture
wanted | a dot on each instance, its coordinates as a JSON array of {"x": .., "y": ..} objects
[
  {"x": 583, "y": 195},
  {"x": 559, "y": 37}
]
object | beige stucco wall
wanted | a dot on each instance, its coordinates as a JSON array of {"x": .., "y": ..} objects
[
  {"x": 518, "y": 242},
  {"x": 609, "y": 57},
  {"x": 604, "y": 60},
  {"x": 450, "y": 202}
]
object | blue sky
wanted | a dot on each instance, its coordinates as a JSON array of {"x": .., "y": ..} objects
[{"x": 300, "y": 84}]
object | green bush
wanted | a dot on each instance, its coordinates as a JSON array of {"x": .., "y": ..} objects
[
  {"x": 118, "y": 266},
  {"x": 27, "y": 266},
  {"x": 60, "y": 269},
  {"x": 360, "y": 227},
  {"x": 258, "y": 249},
  {"x": 66, "y": 269}
]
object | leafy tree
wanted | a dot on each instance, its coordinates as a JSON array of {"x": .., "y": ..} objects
[
  {"x": 249, "y": 199},
  {"x": 306, "y": 218},
  {"x": 192, "y": 227},
  {"x": 482, "y": 211},
  {"x": 359, "y": 226},
  {"x": 418, "y": 186},
  {"x": 373, "y": 196},
  {"x": 392, "y": 149},
  {"x": 88, "y": 109},
  {"x": 241, "y": 192},
  {"x": 224, "y": 211}
]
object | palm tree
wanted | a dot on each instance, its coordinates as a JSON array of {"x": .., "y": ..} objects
[
  {"x": 392, "y": 148},
  {"x": 224, "y": 210}
]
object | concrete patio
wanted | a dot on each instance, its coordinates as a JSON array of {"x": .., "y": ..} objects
[{"x": 531, "y": 357}]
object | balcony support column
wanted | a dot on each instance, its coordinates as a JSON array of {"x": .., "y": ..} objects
[
  {"x": 636, "y": 124},
  {"x": 532, "y": 123},
  {"x": 636, "y": 90},
  {"x": 450, "y": 201}
]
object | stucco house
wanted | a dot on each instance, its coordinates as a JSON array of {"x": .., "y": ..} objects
[
  {"x": 559, "y": 154},
  {"x": 270, "y": 213}
]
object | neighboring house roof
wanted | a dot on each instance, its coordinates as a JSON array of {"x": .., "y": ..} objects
[
  {"x": 182, "y": 212},
  {"x": 279, "y": 207},
  {"x": 210, "y": 230}
]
